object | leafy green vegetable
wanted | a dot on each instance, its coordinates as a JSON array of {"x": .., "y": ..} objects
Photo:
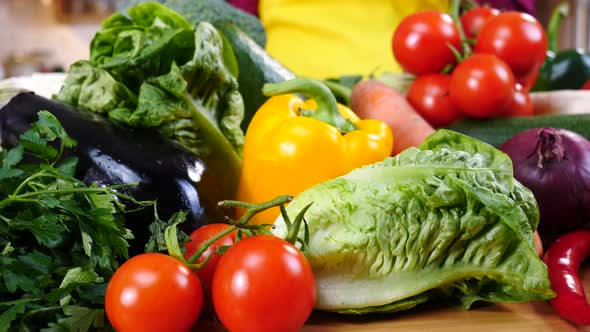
[
  {"x": 60, "y": 240},
  {"x": 157, "y": 242},
  {"x": 445, "y": 221},
  {"x": 213, "y": 11},
  {"x": 153, "y": 70}
]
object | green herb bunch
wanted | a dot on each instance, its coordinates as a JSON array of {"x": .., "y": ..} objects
[{"x": 60, "y": 239}]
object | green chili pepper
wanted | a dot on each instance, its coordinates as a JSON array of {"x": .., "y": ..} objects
[{"x": 564, "y": 69}]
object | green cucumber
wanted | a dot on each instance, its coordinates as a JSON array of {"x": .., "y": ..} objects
[
  {"x": 499, "y": 130},
  {"x": 256, "y": 68}
]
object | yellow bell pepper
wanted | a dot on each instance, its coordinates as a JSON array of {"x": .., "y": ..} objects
[{"x": 291, "y": 144}]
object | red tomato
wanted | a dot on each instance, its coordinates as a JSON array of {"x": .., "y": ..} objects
[
  {"x": 517, "y": 38},
  {"x": 421, "y": 42},
  {"x": 474, "y": 19},
  {"x": 200, "y": 236},
  {"x": 153, "y": 292},
  {"x": 429, "y": 95},
  {"x": 482, "y": 86},
  {"x": 263, "y": 284},
  {"x": 528, "y": 81},
  {"x": 520, "y": 105}
]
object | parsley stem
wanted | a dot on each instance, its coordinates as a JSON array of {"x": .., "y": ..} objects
[
  {"x": 6, "y": 220},
  {"x": 21, "y": 197},
  {"x": 27, "y": 180},
  {"x": 59, "y": 154}
]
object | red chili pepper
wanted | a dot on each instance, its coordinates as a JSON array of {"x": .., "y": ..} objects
[{"x": 563, "y": 261}]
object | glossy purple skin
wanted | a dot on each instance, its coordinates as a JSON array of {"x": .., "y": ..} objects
[{"x": 561, "y": 187}]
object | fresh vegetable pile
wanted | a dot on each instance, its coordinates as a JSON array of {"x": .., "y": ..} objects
[
  {"x": 389, "y": 212},
  {"x": 479, "y": 65}
]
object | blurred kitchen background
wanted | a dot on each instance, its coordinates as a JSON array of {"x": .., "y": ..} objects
[{"x": 49, "y": 35}]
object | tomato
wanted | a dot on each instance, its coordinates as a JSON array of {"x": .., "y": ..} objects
[
  {"x": 429, "y": 95},
  {"x": 520, "y": 105},
  {"x": 200, "y": 236},
  {"x": 527, "y": 82},
  {"x": 482, "y": 86},
  {"x": 474, "y": 19},
  {"x": 153, "y": 292},
  {"x": 517, "y": 38},
  {"x": 263, "y": 284},
  {"x": 421, "y": 42}
]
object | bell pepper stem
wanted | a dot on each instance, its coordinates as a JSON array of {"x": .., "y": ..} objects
[
  {"x": 559, "y": 13},
  {"x": 327, "y": 110},
  {"x": 339, "y": 91}
]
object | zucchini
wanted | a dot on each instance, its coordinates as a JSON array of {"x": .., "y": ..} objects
[
  {"x": 256, "y": 68},
  {"x": 499, "y": 130}
]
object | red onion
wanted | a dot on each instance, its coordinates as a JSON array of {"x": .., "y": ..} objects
[{"x": 555, "y": 165}]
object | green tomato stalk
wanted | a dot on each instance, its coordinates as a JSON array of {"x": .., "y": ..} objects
[{"x": 242, "y": 225}]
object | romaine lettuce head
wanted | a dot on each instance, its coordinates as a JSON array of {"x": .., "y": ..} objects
[{"x": 445, "y": 221}]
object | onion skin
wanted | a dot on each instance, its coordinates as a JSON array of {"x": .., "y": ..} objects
[{"x": 555, "y": 165}]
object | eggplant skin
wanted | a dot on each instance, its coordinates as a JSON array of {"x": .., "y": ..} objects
[{"x": 110, "y": 155}]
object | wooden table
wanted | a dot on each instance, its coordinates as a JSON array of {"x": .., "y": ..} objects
[{"x": 502, "y": 317}]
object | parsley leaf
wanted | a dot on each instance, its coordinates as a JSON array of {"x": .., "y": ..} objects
[{"x": 157, "y": 242}]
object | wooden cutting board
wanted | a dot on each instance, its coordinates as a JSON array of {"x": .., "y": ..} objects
[{"x": 502, "y": 317}]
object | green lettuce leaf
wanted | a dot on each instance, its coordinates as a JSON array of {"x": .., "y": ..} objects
[
  {"x": 445, "y": 222},
  {"x": 152, "y": 69}
]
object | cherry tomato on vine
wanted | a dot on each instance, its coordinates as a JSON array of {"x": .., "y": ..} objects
[
  {"x": 520, "y": 105},
  {"x": 421, "y": 42},
  {"x": 517, "y": 38},
  {"x": 527, "y": 82},
  {"x": 202, "y": 235},
  {"x": 263, "y": 284},
  {"x": 153, "y": 292},
  {"x": 482, "y": 86},
  {"x": 474, "y": 19},
  {"x": 429, "y": 95}
]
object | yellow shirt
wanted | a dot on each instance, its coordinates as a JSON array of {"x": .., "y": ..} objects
[{"x": 329, "y": 38}]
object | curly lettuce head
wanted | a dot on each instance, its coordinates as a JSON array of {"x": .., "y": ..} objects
[
  {"x": 445, "y": 221},
  {"x": 152, "y": 69}
]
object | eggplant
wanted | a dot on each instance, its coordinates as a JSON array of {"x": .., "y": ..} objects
[{"x": 109, "y": 155}]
